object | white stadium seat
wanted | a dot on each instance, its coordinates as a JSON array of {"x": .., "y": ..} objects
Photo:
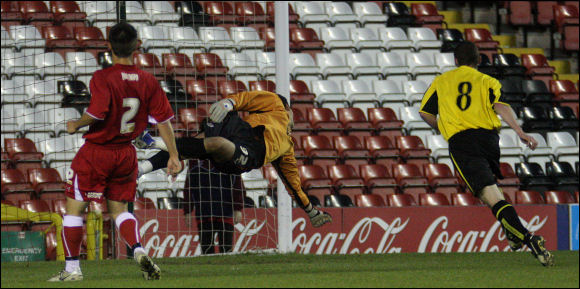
[
  {"x": 366, "y": 39},
  {"x": 333, "y": 67},
  {"x": 302, "y": 67},
  {"x": 363, "y": 66},
  {"x": 369, "y": 14},
  {"x": 341, "y": 15}
]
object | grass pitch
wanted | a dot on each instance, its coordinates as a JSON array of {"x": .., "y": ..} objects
[{"x": 506, "y": 269}]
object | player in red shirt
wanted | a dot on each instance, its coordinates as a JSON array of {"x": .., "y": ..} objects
[{"x": 105, "y": 167}]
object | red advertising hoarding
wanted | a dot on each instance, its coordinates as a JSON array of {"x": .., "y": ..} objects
[{"x": 355, "y": 230}]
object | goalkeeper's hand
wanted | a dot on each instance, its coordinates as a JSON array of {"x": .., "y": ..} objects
[{"x": 219, "y": 110}]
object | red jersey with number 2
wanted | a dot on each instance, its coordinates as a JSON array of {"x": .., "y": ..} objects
[{"x": 122, "y": 99}]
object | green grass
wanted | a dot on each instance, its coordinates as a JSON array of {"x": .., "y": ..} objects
[{"x": 506, "y": 269}]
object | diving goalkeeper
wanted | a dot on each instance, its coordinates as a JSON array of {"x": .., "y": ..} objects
[{"x": 238, "y": 145}]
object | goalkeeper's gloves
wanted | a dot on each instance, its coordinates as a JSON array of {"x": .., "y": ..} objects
[{"x": 219, "y": 110}]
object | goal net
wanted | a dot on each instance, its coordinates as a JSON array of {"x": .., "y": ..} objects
[{"x": 200, "y": 52}]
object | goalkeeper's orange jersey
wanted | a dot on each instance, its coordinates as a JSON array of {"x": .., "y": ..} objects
[{"x": 268, "y": 110}]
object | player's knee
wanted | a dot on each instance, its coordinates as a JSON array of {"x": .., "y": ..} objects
[{"x": 214, "y": 144}]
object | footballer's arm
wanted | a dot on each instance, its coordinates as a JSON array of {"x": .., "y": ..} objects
[
  {"x": 168, "y": 136},
  {"x": 73, "y": 126}
]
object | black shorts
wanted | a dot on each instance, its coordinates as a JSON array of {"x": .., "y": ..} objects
[
  {"x": 250, "y": 147},
  {"x": 475, "y": 154}
]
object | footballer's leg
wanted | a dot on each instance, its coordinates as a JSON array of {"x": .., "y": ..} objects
[
  {"x": 128, "y": 228},
  {"x": 72, "y": 236},
  {"x": 515, "y": 230}
]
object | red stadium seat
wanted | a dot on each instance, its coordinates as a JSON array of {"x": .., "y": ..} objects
[
  {"x": 268, "y": 34},
  {"x": 229, "y": 87},
  {"x": 564, "y": 90},
  {"x": 324, "y": 122},
  {"x": 36, "y": 13},
  {"x": 483, "y": 40},
  {"x": 320, "y": 150},
  {"x": 36, "y": 206},
  {"x": 59, "y": 206},
  {"x": 529, "y": 197},
  {"x": 202, "y": 91},
  {"x": 250, "y": 12},
  {"x": 351, "y": 150},
  {"x": 292, "y": 16},
  {"x": 433, "y": 199},
  {"x": 426, "y": 15},
  {"x": 150, "y": 63},
  {"x": 538, "y": 67},
  {"x": 263, "y": 85},
  {"x": 410, "y": 179},
  {"x": 315, "y": 181},
  {"x": 566, "y": 18},
  {"x": 510, "y": 183},
  {"x": 219, "y": 12},
  {"x": 144, "y": 204},
  {"x": 178, "y": 64},
  {"x": 299, "y": 92},
  {"x": 441, "y": 179},
  {"x": 15, "y": 187},
  {"x": 378, "y": 179},
  {"x": 6, "y": 161},
  {"x": 209, "y": 64},
  {"x": 68, "y": 14},
  {"x": 354, "y": 121},
  {"x": 271, "y": 175},
  {"x": 369, "y": 201},
  {"x": 545, "y": 13},
  {"x": 412, "y": 149},
  {"x": 91, "y": 39},
  {"x": 520, "y": 13},
  {"x": 46, "y": 181},
  {"x": 299, "y": 152},
  {"x": 59, "y": 39},
  {"x": 385, "y": 121},
  {"x": 346, "y": 180},
  {"x": 306, "y": 40},
  {"x": 21, "y": 149},
  {"x": 464, "y": 199},
  {"x": 192, "y": 117},
  {"x": 401, "y": 200},
  {"x": 382, "y": 150},
  {"x": 301, "y": 125},
  {"x": 559, "y": 197}
]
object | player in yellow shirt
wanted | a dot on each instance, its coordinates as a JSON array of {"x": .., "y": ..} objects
[
  {"x": 464, "y": 104},
  {"x": 238, "y": 145}
]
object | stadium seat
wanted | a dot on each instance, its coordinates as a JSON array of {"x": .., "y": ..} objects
[
  {"x": 315, "y": 181},
  {"x": 312, "y": 14},
  {"x": 441, "y": 179},
  {"x": 220, "y": 12},
  {"x": 365, "y": 39},
  {"x": 369, "y": 201},
  {"x": 538, "y": 68},
  {"x": 250, "y": 12},
  {"x": 359, "y": 94},
  {"x": 399, "y": 15},
  {"x": 529, "y": 198},
  {"x": 450, "y": 39},
  {"x": 520, "y": 13},
  {"x": 532, "y": 177},
  {"x": 511, "y": 151},
  {"x": 324, "y": 122},
  {"x": 410, "y": 179},
  {"x": 363, "y": 66},
  {"x": 562, "y": 176},
  {"x": 389, "y": 94},
  {"x": 378, "y": 179},
  {"x": 426, "y": 15},
  {"x": 369, "y": 14},
  {"x": 246, "y": 38},
  {"x": 292, "y": 16},
  {"x": 346, "y": 180},
  {"x": 433, "y": 199},
  {"x": 192, "y": 117},
  {"x": 564, "y": 91},
  {"x": 300, "y": 93},
  {"x": 160, "y": 12},
  {"x": 541, "y": 154},
  {"x": 59, "y": 39},
  {"x": 423, "y": 39},
  {"x": 301, "y": 124},
  {"x": 15, "y": 187},
  {"x": 320, "y": 150},
  {"x": 412, "y": 149},
  {"x": 385, "y": 121},
  {"x": 186, "y": 40},
  {"x": 483, "y": 40},
  {"x": 510, "y": 66},
  {"x": 58, "y": 206},
  {"x": 156, "y": 39},
  {"x": 439, "y": 148},
  {"x": 485, "y": 66},
  {"x": 537, "y": 93},
  {"x": 178, "y": 66},
  {"x": 333, "y": 67},
  {"x": 337, "y": 201},
  {"x": 23, "y": 151},
  {"x": 382, "y": 150},
  {"x": 564, "y": 147},
  {"x": 170, "y": 203},
  {"x": 445, "y": 61},
  {"x": 566, "y": 22},
  {"x": 393, "y": 66},
  {"x": 305, "y": 40},
  {"x": 563, "y": 118},
  {"x": 36, "y": 13},
  {"x": 35, "y": 206},
  {"x": 536, "y": 119},
  {"x": 464, "y": 199},
  {"x": 355, "y": 122},
  {"x": 341, "y": 15},
  {"x": 395, "y": 39},
  {"x": 46, "y": 182},
  {"x": 263, "y": 85},
  {"x": 209, "y": 64},
  {"x": 559, "y": 197},
  {"x": 400, "y": 200},
  {"x": 302, "y": 67},
  {"x": 414, "y": 91},
  {"x": 91, "y": 39},
  {"x": 351, "y": 150},
  {"x": 149, "y": 62}
]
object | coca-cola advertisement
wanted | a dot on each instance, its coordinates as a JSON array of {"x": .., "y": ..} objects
[{"x": 355, "y": 230}]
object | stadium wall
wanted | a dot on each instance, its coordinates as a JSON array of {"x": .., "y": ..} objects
[{"x": 371, "y": 230}]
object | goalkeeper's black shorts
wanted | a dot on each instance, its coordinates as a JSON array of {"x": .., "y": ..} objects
[
  {"x": 250, "y": 147},
  {"x": 475, "y": 154}
]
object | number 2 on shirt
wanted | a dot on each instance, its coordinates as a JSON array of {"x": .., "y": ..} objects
[
  {"x": 133, "y": 105},
  {"x": 464, "y": 95}
]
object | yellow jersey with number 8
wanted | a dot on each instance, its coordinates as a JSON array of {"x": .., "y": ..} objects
[{"x": 463, "y": 99}]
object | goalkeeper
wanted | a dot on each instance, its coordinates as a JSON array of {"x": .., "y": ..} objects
[{"x": 238, "y": 145}]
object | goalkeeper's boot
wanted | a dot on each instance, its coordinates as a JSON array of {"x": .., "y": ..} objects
[
  {"x": 144, "y": 141},
  {"x": 320, "y": 219},
  {"x": 65, "y": 276},
  {"x": 150, "y": 270},
  {"x": 536, "y": 244},
  {"x": 514, "y": 242}
]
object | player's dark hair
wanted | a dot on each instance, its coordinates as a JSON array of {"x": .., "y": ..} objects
[
  {"x": 466, "y": 53},
  {"x": 123, "y": 39}
]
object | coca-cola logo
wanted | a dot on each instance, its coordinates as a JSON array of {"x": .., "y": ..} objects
[{"x": 470, "y": 241}]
